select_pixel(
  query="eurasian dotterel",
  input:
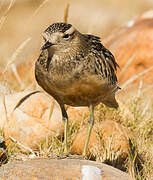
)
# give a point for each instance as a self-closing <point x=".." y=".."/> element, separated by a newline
<point x="77" y="70"/>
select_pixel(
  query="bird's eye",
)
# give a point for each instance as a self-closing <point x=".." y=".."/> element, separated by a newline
<point x="66" y="36"/>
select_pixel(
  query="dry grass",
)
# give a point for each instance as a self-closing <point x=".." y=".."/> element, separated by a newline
<point x="3" y="18"/>
<point x="140" y="161"/>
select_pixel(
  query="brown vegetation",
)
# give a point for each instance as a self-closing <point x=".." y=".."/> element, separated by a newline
<point x="21" y="25"/>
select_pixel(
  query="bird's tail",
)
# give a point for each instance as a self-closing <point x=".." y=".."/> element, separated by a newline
<point x="110" y="100"/>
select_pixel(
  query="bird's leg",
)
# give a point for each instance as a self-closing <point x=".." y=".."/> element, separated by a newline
<point x="51" y="109"/>
<point x="90" y="125"/>
<point x="65" y="120"/>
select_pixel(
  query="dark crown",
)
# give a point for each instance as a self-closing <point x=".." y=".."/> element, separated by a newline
<point x="58" y="27"/>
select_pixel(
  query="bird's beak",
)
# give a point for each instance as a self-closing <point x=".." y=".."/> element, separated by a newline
<point x="46" y="45"/>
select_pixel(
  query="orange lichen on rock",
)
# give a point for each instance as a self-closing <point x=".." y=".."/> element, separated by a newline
<point x="132" y="46"/>
<point x="29" y="123"/>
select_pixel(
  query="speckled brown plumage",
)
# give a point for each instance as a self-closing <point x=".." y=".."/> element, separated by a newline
<point x="76" y="69"/>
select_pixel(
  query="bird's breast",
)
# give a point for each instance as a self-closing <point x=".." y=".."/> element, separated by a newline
<point x="75" y="91"/>
<point x="72" y="82"/>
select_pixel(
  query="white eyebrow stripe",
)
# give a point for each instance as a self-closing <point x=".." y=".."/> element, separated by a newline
<point x="70" y="31"/>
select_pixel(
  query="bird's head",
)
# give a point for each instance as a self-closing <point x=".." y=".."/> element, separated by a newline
<point x="60" y="36"/>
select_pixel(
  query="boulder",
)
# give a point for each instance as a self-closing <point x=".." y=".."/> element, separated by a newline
<point x="29" y="123"/>
<point x="77" y="114"/>
<point x="109" y="142"/>
<point x="60" y="169"/>
<point x="132" y="47"/>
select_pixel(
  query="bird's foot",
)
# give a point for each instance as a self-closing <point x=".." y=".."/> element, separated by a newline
<point x="76" y="156"/>
<point x="68" y="156"/>
<point x="63" y="156"/>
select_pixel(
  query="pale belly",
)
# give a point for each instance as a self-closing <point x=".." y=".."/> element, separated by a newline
<point x="76" y="92"/>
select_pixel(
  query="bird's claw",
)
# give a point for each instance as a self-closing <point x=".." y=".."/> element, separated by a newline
<point x="69" y="156"/>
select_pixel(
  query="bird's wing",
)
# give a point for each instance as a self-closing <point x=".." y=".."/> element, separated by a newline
<point x="104" y="60"/>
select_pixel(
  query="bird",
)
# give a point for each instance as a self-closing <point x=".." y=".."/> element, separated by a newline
<point x="76" y="70"/>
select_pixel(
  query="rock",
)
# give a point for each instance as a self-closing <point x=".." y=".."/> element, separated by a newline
<point x="132" y="46"/>
<point x="109" y="142"/>
<point x="60" y="169"/>
<point x="135" y="102"/>
<point x="78" y="114"/>
<point x="29" y="123"/>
